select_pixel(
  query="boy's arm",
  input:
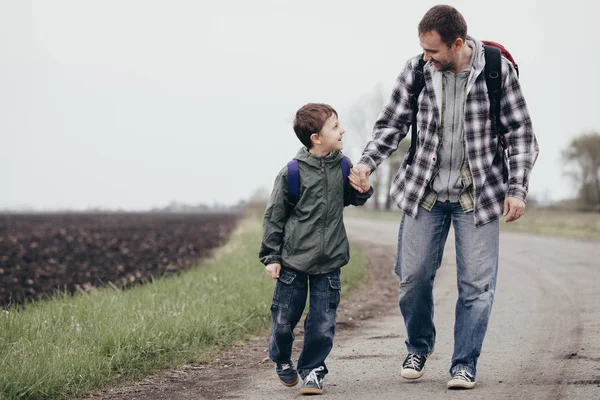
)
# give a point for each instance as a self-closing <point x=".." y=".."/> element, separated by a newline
<point x="353" y="196"/>
<point x="276" y="215"/>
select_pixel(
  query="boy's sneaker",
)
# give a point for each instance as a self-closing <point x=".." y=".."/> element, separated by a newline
<point x="413" y="366"/>
<point x="461" y="379"/>
<point x="287" y="374"/>
<point x="313" y="382"/>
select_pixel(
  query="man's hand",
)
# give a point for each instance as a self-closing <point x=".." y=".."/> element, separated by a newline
<point x="359" y="178"/>
<point x="513" y="209"/>
<point x="273" y="270"/>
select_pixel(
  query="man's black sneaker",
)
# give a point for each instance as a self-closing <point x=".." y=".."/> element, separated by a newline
<point x="461" y="379"/>
<point x="313" y="382"/>
<point x="413" y="366"/>
<point x="287" y="374"/>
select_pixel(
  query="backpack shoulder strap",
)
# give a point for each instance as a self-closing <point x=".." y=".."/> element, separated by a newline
<point x="493" y="70"/>
<point x="345" y="164"/>
<point x="293" y="179"/>
<point x="419" y="80"/>
<point x="493" y="81"/>
<point x="417" y="87"/>
<point x="293" y="182"/>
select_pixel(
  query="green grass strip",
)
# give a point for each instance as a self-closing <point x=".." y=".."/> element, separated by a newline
<point x="543" y="221"/>
<point x="73" y="345"/>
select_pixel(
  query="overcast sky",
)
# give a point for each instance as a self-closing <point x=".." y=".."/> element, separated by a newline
<point x="133" y="104"/>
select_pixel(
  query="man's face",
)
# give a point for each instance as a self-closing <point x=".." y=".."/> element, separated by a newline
<point x="442" y="56"/>
<point x="331" y="134"/>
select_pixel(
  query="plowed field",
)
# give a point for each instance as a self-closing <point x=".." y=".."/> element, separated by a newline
<point x="42" y="253"/>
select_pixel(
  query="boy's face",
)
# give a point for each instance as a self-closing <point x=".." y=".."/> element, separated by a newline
<point x="330" y="137"/>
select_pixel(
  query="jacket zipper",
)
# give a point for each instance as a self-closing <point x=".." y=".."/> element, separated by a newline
<point x="324" y="219"/>
<point x="453" y="129"/>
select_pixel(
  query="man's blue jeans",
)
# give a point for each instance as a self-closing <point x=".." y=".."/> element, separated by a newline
<point x="421" y="243"/>
<point x="289" y="300"/>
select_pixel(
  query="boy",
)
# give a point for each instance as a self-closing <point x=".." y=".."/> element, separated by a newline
<point x="305" y="245"/>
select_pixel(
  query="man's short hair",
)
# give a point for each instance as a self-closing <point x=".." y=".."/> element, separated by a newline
<point x="310" y="119"/>
<point x="447" y="21"/>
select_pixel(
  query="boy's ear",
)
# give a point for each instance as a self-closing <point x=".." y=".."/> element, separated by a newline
<point x="315" y="139"/>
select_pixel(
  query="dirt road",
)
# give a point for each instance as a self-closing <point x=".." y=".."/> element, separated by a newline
<point x="543" y="340"/>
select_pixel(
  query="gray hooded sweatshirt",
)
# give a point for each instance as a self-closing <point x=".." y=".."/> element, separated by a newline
<point x="447" y="183"/>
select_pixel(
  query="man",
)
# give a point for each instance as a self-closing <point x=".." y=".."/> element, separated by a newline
<point x="456" y="176"/>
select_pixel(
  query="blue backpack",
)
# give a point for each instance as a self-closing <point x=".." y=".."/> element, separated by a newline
<point x="294" y="179"/>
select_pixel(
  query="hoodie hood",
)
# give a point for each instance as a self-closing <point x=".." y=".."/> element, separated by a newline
<point x="306" y="156"/>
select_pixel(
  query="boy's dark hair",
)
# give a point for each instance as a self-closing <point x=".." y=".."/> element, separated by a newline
<point x="310" y="119"/>
<point x="447" y="21"/>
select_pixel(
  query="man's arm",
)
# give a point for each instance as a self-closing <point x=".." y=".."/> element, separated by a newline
<point x="393" y="122"/>
<point x="523" y="145"/>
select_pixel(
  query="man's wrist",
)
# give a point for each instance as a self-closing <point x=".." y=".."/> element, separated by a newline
<point x="367" y="162"/>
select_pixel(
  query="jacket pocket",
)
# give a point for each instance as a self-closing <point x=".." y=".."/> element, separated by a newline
<point x="284" y="288"/>
<point x="333" y="293"/>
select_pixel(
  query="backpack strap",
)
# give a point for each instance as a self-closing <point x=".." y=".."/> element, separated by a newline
<point x="493" y="68"/>
<point x="345" y="164"/>
<point x="505" y="53"/>
<point x="294" y="179"/>
<point x="293" y="182"/>
<point x="417" y="87"/>
<point x="493" y="80"/>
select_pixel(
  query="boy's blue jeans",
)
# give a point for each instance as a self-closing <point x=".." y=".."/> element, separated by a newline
<point x="289" y="300"/>
<point x="421" y="243"/>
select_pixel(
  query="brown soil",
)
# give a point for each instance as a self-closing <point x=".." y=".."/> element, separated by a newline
<point x="43" y="253"/>
<point x="232" y="367"/>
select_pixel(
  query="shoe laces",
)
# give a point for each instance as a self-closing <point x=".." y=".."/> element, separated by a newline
<point x="413" y="361"/>
<point x="285" y="367"/>
<point x="463" y="375"/>
<point x="314" y="377"/>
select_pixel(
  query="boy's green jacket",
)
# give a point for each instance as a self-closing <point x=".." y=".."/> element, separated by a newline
<point x="310" y="237"/>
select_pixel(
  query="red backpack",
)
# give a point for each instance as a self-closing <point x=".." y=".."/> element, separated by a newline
<point x="503" y="52"/>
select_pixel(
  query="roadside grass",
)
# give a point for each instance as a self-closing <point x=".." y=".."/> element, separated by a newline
<point x="557" y="222"/>
<point x="71" y="346"/>
<point x="543" y="221"/>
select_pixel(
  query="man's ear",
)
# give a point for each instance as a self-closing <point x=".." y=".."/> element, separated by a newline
<point x="458" y="43"/>
<point x="315" y="139"/>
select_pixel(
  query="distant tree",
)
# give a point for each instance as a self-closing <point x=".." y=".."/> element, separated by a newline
<point x="582" y="164"/>
<point x="258" y="200"/>
<point x="260" y="196"/>
<point x="361" y="119"/>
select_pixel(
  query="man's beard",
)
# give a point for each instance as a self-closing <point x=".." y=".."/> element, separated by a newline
<point x="448" y="66"/>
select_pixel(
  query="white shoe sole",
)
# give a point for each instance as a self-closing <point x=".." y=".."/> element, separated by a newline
<point x="409" y="373"/>
<point x="460" y="384"/>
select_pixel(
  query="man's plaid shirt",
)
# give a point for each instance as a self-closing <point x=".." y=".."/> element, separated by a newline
<point x="483" y="154"/>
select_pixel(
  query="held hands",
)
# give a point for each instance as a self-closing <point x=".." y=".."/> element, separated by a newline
<point x="359" y="178"/>
<point x="273" y="270"/>
<point x="513" y="209"/>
